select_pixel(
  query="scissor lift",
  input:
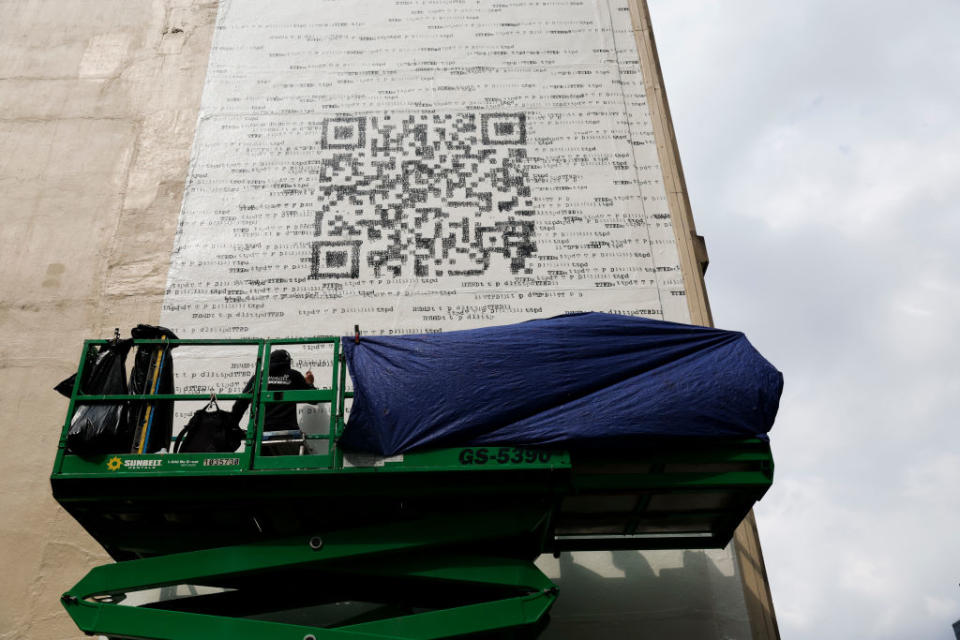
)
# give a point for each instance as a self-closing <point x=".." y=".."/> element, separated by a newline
<point x="430" y="544"/>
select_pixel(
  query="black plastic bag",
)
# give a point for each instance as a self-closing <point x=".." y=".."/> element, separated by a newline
<point x="101" y="428"/>
<point x="210" y="430"/>
<point x="152" y="372"/>
<point x="65" y="387"/>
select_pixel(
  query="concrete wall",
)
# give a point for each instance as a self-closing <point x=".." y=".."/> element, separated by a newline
<point x="98" y="104"/>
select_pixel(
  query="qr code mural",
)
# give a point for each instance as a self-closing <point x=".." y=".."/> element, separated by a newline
<point x="423" y="195"/>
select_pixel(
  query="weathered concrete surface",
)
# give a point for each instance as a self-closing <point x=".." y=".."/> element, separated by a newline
<point x="98" y="104"/>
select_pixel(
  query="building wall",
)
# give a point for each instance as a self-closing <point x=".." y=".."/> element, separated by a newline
<point x="98" y="106"/>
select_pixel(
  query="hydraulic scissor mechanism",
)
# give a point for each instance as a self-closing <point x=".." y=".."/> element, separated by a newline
<point x="433" y="578"/>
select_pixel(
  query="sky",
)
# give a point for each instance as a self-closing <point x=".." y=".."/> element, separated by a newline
<point x="821" y="147"/>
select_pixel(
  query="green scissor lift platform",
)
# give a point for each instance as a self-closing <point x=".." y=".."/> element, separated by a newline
<point x="430" y="544"/>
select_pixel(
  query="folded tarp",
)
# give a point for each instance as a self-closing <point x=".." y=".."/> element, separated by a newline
<point x="580" y="379"/>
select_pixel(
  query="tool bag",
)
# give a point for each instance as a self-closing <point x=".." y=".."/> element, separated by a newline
<point x="210" y="430"/>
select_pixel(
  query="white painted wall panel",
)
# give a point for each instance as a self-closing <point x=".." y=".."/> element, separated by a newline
<point x="495" y="162"/>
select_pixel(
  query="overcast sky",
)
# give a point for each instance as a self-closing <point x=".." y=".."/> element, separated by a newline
<point x="821" y="146"/>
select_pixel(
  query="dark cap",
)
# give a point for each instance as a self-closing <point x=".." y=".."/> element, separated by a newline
<point x="280" y="357"/>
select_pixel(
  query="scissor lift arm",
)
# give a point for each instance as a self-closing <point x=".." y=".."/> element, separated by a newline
<point x="433" y="563"/>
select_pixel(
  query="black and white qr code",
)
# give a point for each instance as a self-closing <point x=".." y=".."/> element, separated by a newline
<point x="423" y="195"/>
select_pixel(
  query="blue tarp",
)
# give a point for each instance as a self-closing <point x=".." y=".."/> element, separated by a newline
<point x="585" y="379"/>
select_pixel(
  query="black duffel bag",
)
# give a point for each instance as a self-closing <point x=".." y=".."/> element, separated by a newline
<point x="210" y="430"/>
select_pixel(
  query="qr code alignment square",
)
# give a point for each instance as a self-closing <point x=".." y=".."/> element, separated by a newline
<point x="423" y="195"/>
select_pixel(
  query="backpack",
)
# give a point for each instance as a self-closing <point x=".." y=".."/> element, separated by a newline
<point x="210" y="430"/>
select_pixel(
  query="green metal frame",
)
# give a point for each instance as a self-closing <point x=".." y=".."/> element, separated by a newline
<point x="408" y="553"/>
<point x="462" y="518"/>
<point x="65" y="463"/>
<point x="336" y="397"/>
<point x="252" y="458"/>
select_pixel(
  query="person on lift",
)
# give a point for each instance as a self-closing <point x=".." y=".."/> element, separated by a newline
<point x="281" y="416"/>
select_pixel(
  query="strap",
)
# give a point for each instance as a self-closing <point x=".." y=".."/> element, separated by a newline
<point x="180" y="437"/>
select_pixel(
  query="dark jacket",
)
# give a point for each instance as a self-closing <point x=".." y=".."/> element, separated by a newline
<point x="280" y="416"/>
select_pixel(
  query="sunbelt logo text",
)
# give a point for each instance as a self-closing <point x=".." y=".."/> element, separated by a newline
<point x="141" y="464"/>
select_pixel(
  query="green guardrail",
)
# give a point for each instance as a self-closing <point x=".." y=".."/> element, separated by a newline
<point x="252" y="455"/>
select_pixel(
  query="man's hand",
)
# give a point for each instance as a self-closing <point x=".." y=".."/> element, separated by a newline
<point x="308" y="376"/>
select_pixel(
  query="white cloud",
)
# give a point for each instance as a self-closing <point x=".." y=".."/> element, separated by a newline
<point x="940" y="607"/>
<point x="866" y="188"/>
<point x="822" y="153"/>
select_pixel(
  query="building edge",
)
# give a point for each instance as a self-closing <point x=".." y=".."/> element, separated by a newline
<point x="693" y="261"/>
